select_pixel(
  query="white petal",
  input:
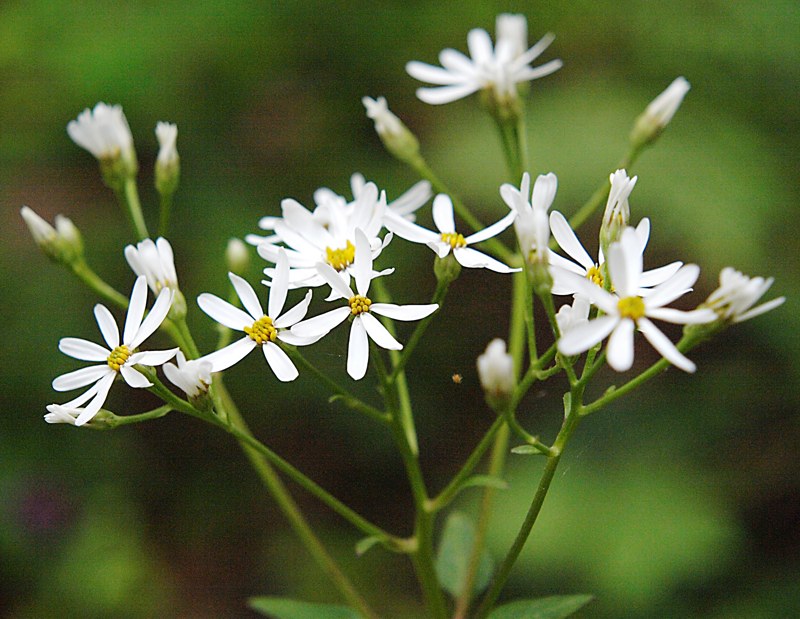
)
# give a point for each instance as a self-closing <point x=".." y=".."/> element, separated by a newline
<point x="666" y="348"/>
<point x="134" y="378"/>
<point x="280" y="286"/>
<point x="154" y="318"/>
<point x="379" y="334"/>
<point x="103" y="387"/>
<point x="566" y="239"/>
<point x="443" y="214"/>
<point x="403" y="312"/>
<point x="84" y="350"/>
<point x="431" y="74"/>
<point x="493" y="230"/>
<point x="279" y="362"/>
<point x="322" y="324"/>
<point x="407" y="230"/>
<point x="297" y="340"/>
<point x="152" y="357"/>
<point x="363" y="263"/>
<point x="679" y="317"/>
<point x="247" y="296"/>
<point x="674" y="287"/>
<point x="81" y="378"/>
<point x="135" y="309"/>
<point x="224" y="358"/>
<point x="357" y="350"/>
<point x="584" y="336"/>
<point x="334" y="280"/>
<point x="654" y="277"/>
<point x="107" y="324"/>
<point x="223" y="312"/>
<point x="619" y="350"/>
<point x="473" y="259"/>
<point x="479" y="44"/>
<point x="544" y="191"/>
<point x="296" y="314"/>
<point x="601" y="298"/>
<point x="756" y="311"/>
<point x="456" y="64"/>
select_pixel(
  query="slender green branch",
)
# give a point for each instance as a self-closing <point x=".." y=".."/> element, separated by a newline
<point x="128" y="197"/>
<point x="124" y="420"/>
<point x="84" y="273"/>
<point x="164" y="213"/>
<point x="530" y="323"/>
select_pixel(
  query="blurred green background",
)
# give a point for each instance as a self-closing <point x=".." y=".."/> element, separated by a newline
<point x="683" y="500"/>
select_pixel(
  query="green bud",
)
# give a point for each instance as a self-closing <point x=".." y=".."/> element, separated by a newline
<point x="396" y="137"/>
<point x="62" y="244"/>
<point x="446" y="269"/>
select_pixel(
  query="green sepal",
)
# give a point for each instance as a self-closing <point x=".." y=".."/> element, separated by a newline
<point x="551" y="607"/>
<point x="284" y="608"/>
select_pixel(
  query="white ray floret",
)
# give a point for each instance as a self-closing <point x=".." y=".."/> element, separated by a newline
<point x="103" y="131"/>
<point x="155" y="261"/>
<point x="625" y="311"/>
<point x="531" y="225"/>
<point x="193" y="377"/>
<point x="447" y="240"/>
<point x="118" y="359"/>
<point x="738" y="293"/>
<point x="260" y="329"/>
<point x="361" y="307"/>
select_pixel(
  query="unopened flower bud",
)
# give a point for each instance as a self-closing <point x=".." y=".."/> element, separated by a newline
<point x="237" y="257"/>
<point x="733" y="301"/>
<point x="396" y="137"/>
<point x="168" y="162"/>
<point x="446" y="269"/>
<point x="659" y="113"/>
<point x="618" y="213"/>
<point x="62" y="244"/>
<point x="496" y="373"/>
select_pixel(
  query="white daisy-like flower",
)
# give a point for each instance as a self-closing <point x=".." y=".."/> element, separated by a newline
<point x="531" y="226"/>
<point x="118" y="359"/>
<point x="738" y="293"/>
<point x="404" y="205"/>
<point x="192" y="377"/>
<point x="447" y="240"/>
<point x="584" y="266"/>
<point x="167" y="135"/>
<point x="626" y="310"/>
<point x="326" y="235"/>
<point x="104" y="132"/>
<point x="496" y="369"/>
<point x="570" y="316"/>
<point x="260" y="329"/>
<point x="154" y="260"/>
<point x="499" y="68"/>
<point x="617" y="214"/>
<point x="361" y="308"/>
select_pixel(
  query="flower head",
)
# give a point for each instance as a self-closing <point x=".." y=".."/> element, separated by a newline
<point x="396" y="137"/>
<point x="62" y="243"/>
<point x="104" y="132"/>
<point x="659" y="112"/>
<point x="167" y="135"/>
<point x="155" y="261"/>
<point x="618" y="211"/>
<point x="626" y="310"/>
<point x="496" y="70"/>
<point x="192" y="377"/>
<point x="361" y="308"/>
<point x="496" y="370"/>
<point x="260" y="329"/>
<point x="733" y="301"/>
<point x="531" y="225"/>
<point x="447" y="240"/>
<point x="118" y="359"/>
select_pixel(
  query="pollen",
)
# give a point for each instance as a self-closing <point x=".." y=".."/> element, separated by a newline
<point x="342" y="258"/>
<point x="454" y="239"/>
<point x="359" y="305"/>
<point x="595" y="275"/>
<point x="631" y="307"/>
<point x="118" y="357"/>
<point x="262" y="331"/>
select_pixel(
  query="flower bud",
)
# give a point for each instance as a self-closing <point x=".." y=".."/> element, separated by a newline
<point x="618" y="213"/>
<point x="659" y="113"/>
<point x="446" y="269"/>
<point x="62" y="244"/>
<point x="396" y="137"/>
<point x="496" y="373"/>
<point x="237" y="257"/>
<point x="168" y="162"/>
<point x="733" y="301"/>
<point x="192" y="377"/>
<point x="155" y="261"/>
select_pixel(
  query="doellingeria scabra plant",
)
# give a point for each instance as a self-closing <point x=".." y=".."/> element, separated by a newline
<point x="338" y="254"/>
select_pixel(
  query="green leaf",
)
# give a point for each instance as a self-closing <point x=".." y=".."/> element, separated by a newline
<point x="552" y="607"/>
<point x="284" y="608"/>
<point x="452" y="558"/>
<point x="527" y="450"/>
<point x="366" y="543"/>
<point x="486" y="481"/>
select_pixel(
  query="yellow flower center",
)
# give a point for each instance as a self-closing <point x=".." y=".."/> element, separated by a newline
<point x="595" y="275"/>
<point x="340" y="259"/>
<point x="118" y="357"/>
<point x="359" y="305"/>
<point x="631" y="307"/>
<point x="262" y="331"/>
<point x="454" y="239"/>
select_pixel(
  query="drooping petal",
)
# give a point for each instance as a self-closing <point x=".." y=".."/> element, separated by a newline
<point x="584" y="336"/>
<point x="357" y="350"/>
<point x="322" y="324"/>
<point x="678" y="317"/>
<point x="223" y="312"/>
<point x="403" y="312"/>
<point x="135" y="309"/>
<point x="80" y="378"/>
<point x="379" y="334"/>
<point x="107" y="324"/>
<point x="134" y="378"/>
<point x="280" y="363"/>
<point x="247" y="296"/>
<point x="665" y="348"/>
<point x="224" y="358"/>
<point x="619" y="350"/>
<point x="473" y="259"/>
<point x="408" y="230"/>
<point x="443" y="214"/>
<point x="84" y="350"/>
<point x="433" y="75"/>
<point x="566" y="239"/>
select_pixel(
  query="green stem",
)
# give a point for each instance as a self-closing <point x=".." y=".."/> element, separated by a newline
<point x="128" y="197"/>
<point x="164" y="213"/>
<point x="84" y="273"/>
<point x="124" y="420"/>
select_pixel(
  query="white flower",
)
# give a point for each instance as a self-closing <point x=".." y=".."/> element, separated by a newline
<point x="499" y="69"/>
<point x="386" y="123"/>
<point x="192" y="377"/>
<point x="236" y="256"/>
<point x="406" y="204"/>
<point x="361" y="307"/>
<point x="61" y="414"/>
<point x="326" y="235"/>
<point x="618" y="212"/>
<point x="447" y="239"/>
<point x="260" y="329"/>
<point x="167" y="135"/>
<point x="496" y="369"/>
<point x="625" y="311"/>
<point x="104" y="132"/>
<point x="663" y="107"/>
<point x="570" y="316"/>
<point x="118" y="359"/>
<point x="588" y="268"/>
<point x="736" y="295"/>
<point x="155" y="261"/>
<point x="531" y="226"/>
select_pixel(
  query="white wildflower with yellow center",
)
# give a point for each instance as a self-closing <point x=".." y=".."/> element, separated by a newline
<point x="447" y="240"/>
<point x="361" y="308"/>
<point x="118" y="359"/>
<point x="530" y="209"/>
<point x="626" y="310"/>
<point x="155" y="261"/>
<point x="260" y="329"/>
